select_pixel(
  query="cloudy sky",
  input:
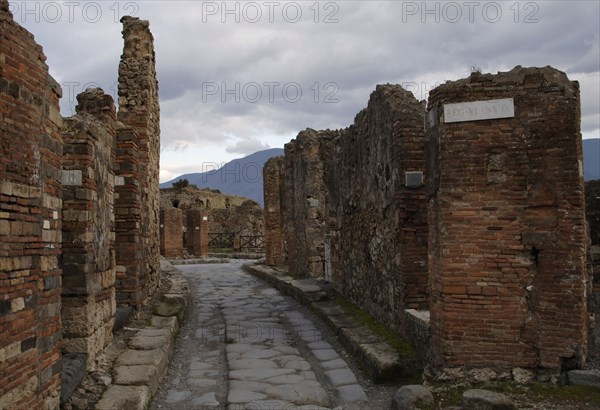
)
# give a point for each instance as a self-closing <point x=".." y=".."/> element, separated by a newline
<point x="238" y="77"/>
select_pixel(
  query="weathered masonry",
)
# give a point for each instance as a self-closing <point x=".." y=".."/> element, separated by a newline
<point x="304" y="214"/>
<point x="491" y="242"/>
<point x="592" y="203"/>
<point x="197" y="232"/>
<point x="507" y="238"/>
<point x="138" y="260"/>
<point x="30" y="223"/>
<point x="72" y="192"/>
<point x="274" y="243"/>
<point x="353" y="207"/>
<point x="88" y="282"/>
<point x="171" y="233"/>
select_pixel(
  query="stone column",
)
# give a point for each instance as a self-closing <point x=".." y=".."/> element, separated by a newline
<point x="171" y="233"/>
<point x="274" y="243"/>
<point x="197" y="232"/>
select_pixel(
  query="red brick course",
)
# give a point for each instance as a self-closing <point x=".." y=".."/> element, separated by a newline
<point x="30" y="224"/>
<point x="171" y="233"/>
<point x="507" y="238"/>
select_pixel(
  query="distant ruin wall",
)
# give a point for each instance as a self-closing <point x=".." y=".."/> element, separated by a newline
<point x="30" y="222"/>
<point x="197" y="232"/>
<point x="592" y="203"/>
<point x="307" y="160"/>
<point x="88" y="294"/>
<point x="378" y="215"/>
<point x="171" y="233"/>
<point x="507" y="238"/>
<point x="274" y="243"/>
<point x="139" y="110"/>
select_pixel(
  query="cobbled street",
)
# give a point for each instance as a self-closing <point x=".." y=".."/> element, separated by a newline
<point x="246" y="346"/>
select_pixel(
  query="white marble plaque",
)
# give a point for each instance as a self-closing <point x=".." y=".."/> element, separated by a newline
<point x="72" y="177"/>
<point x="479" y="110"/>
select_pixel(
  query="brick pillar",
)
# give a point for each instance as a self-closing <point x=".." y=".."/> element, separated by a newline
<point x="197" y="232"/>
<point x="130" y="272"/>
<point x="139" y="110"/>
<point x="507" y="243"/>
<point x="274" y="244"/>
<point x="30" y="222"/>
<point x="171" y="233"/>
<point x="88" y="303"/>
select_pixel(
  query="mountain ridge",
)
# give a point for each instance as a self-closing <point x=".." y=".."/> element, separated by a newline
<point x="243" y="176"/>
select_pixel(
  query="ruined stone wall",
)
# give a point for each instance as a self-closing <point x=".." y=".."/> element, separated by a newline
<point x="30" y="222"/>
<point x="274" y="244"/>
<point x="197" y="232"/>
<point x="139" y="110"/>
<point x="171" y="233"/>
<point x="378" y="223"/>
<point x="307" y="165"/>
<point x="245" y="219"/>
<point x="88" y="263"/>
<point x="592" y="203"/>
<point x="507" y="238"/>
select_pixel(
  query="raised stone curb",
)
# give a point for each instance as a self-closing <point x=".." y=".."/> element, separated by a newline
<point x="138" y="371"/>
<point x="381" y="361"/>
<point x="584" y="378"/>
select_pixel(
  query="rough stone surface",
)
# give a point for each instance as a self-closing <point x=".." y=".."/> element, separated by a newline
<point x="274" y="240"/>
<point x="507" y="244"/>
<point x="305" y="209"/>
<point x="171" y="233"/>
<point x="412" y="397"/>
<point x="138" y="244"/>
<point x="30" y="222"/>
<point x="479" y="399"/>
<point x="349" y="215"/>
<point x="197" y="232"/>
<point x="584" y="377"/>
<point x="125" y="397"/>
<point x="88" y="230"/>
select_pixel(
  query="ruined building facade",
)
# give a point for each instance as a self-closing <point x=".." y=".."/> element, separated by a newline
<point x="74" y="193"/>
<point x="348" y="212"/>
<point x="471" y="211"/>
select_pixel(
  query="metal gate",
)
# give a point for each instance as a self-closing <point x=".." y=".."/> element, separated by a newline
<point x="252" y="243"/>
<point x="220" y="240"/>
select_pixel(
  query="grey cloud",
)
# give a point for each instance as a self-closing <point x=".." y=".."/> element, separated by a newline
<point x="247" y="146"/>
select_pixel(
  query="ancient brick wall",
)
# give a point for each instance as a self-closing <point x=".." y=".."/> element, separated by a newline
<point x="131" y="274"/>
<point x="378" y="223"/>
<point x="88" y="293"/>
<point x="507" y="242"/>
<point x="171" y="233"/>
<point x="139" y="110"/>
<point x="30" y="224"/>
<point x="197" y="232"/>
<point x="274" y="243"/>
<point x="307" y="164"/>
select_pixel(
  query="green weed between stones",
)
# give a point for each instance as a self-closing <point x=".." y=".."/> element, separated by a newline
<point x="392" y="338"/>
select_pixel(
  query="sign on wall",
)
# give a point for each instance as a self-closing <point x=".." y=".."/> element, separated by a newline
<point x="479" y="110"/>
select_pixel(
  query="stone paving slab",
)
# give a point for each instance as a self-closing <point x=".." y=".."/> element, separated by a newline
<point x="140" y="368"/>
<point x="125" y="397"/>
<point x="382" y="361"/>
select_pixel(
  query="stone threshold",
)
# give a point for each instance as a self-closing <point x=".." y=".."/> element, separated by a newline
<point x="380" y="360"/>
